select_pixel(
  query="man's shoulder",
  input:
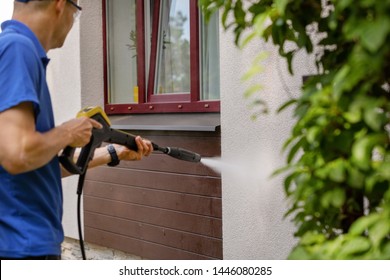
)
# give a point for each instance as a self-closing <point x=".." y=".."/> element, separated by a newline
<point x="14" y="45"/>
<point x="14" y="39"/>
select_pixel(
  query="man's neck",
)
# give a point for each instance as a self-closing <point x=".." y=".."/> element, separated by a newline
<point x="40" y="27"/>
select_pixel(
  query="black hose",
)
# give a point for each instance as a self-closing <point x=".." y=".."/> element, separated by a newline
<point x="80" y="186"/>
<point x="175" y="152"/>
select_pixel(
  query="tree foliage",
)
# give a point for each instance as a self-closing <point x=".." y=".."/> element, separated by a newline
<point x="338" y="157"/>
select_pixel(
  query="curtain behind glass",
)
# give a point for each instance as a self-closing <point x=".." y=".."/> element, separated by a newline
<point x="122" y="54"/>
<point x="210" y="58"/>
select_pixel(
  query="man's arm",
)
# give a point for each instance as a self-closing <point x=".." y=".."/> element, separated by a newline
<point x="23" y="149"/>
<point x="102" y="156"/>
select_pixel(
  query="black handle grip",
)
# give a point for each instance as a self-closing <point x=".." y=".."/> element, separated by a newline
<point x="122" y="138"/>
<point x="66" y="159"/>
<point x="86" y="154"/>
<point x="105" y="134"/>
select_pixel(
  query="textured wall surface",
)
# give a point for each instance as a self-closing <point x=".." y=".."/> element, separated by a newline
<point x="64" y="81"/>
<point x="91" y="42"/>
<point x="254" y="203"/>
<point x="75" y="77"/>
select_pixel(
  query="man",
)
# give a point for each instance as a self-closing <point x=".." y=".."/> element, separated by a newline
<point x="30" y="173"/>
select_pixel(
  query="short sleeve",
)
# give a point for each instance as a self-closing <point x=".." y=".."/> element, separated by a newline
<point x="20" y="72"/>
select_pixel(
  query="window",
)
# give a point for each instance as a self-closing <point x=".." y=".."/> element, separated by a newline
<point x="160" y="56"/>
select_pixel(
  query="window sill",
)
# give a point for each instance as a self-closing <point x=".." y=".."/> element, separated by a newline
<point x="171" y="122"/>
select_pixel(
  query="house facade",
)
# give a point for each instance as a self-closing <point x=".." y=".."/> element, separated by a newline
<point x="162" y="208"/>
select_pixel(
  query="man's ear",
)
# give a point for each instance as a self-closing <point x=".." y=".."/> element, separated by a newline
<point x="60" y="6"/>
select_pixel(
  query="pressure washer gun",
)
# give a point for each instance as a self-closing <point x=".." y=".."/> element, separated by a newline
<point x="110" y="135"/>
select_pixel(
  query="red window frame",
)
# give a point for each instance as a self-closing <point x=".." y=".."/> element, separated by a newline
<point x="167" y="103"/>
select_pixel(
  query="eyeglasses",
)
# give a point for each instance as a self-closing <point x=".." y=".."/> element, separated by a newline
<point x="75" y="5"/>
<point x="77" y="14"/>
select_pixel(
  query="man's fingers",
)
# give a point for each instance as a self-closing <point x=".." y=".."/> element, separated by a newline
<point x="96" y="124"/>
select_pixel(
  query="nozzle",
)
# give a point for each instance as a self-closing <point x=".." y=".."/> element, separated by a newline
<point x="183" y="154"/>
<point x="179" y="153"/>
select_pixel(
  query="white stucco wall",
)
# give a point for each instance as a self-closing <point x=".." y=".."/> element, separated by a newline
<point x="6" y="10"/>
<point x="75" y="78"/>
<point x="91" y="37"/>
<point x="254" y="203"/>
<point x="64" y="81"/>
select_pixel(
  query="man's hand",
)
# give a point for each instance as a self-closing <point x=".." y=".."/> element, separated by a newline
<point x="80" y="130"/>
<point x="102" y="157"/>
<point x="144" y="146"/>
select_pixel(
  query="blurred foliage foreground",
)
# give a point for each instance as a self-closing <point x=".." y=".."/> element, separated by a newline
<point x="338" y="163"/>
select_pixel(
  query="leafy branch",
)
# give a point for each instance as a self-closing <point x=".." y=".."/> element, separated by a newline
<point x="337" y="173"/>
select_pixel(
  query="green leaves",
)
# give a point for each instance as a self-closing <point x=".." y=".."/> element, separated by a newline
<point x="362" y="150"/>
<point x="376" y="228"/>
<point x="281" y="6"/>
<point x="337" y="173"/>
<point x="259" y="28"/>
<point x="253" y="72"/>
<point x="335" y="198"/>
<point x="353" y="247"/>
<point x="371" y="32"/>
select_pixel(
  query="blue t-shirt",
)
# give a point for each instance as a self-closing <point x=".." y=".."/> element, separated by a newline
<point x="30" y="203"/>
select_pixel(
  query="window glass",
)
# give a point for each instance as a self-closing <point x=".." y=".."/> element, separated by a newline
<point x="122" y="54"/>
<point x="173" y="48"/>
<point x="209" y="58"/>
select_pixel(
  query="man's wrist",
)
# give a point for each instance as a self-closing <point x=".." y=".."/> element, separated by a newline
<point x="114" y="156"/>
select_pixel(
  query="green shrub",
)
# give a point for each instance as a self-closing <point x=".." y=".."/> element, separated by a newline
<point x="338" y="162"/>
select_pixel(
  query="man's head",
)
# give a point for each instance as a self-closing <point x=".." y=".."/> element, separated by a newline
<point x="50" y="20"/>
<point x="72" y="2"/>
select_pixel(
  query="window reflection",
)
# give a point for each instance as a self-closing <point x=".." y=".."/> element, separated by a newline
<point x="173" y="48"/>
<point x="121" y="45"/>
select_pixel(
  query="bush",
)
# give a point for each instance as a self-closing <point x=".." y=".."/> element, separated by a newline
<point x="338" y="163"/>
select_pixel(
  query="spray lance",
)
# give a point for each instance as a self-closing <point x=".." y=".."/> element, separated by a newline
<point x="108" y="135"/>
